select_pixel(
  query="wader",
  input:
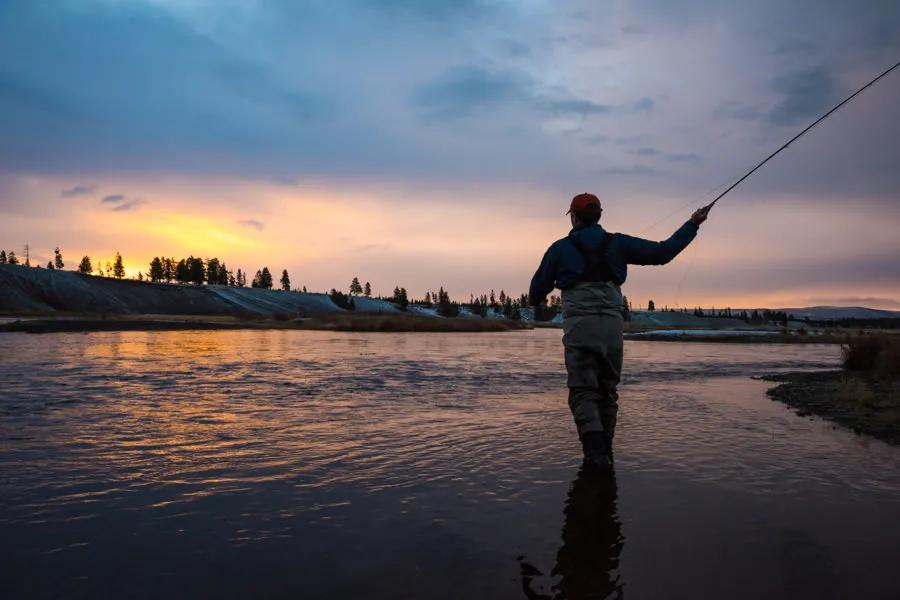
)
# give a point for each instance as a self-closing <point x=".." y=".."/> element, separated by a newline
<point x="592" y="322"/>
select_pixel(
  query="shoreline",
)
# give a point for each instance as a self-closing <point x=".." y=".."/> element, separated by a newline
<point x="342" y="322"/>
<point x="857" y="402"/>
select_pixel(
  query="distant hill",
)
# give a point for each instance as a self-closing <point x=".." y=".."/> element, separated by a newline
<point x="25" y="290"/>
<point x="836" y="313"/>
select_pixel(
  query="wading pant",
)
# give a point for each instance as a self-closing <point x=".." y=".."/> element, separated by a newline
<point x="592" y="322"/>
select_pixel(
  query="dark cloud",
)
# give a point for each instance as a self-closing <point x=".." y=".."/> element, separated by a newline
<point x="128" y="206"/>
<point x="113" y="198"/>
<point x="806" y="95"/>
<point x="78" y="190"/>
<point x="252" y="223"/>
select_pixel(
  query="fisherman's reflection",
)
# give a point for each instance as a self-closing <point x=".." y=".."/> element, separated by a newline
<point x="587" y="563"/>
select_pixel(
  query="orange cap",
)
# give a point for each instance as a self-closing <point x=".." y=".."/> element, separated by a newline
<point x="584" y="203"/>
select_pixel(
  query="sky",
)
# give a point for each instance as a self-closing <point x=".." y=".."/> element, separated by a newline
<point x="437" y="143"/>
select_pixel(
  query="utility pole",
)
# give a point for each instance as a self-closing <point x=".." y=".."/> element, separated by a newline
<point x="27" y="255"/>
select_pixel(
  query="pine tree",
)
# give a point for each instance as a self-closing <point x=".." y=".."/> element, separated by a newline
<point x="304" y="289"/>
<point x="50" y="265"/>
<point x="240" y="279"/>
<point x="367" y="290"/>
<point x="355" y="287"/>
<point x="156" y="272"/>
<point x="99" y="268"/>
<point x="58" y="259"/>
<point x="257" y="280"/>
<point x="140" y="276"/>
<point x="119" y="268"/>
<point x="651" y="306"/>
<point x="212" y="270"/>
<point x="85" y="267"/>
<point x="285" y="281"/>
<point x="2" y="257"/>
<point x="12" y="259"/>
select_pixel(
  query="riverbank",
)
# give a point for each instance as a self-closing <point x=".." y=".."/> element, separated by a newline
<point x="341" y="322"/>
<point x="856" y="401"/>
<point x="726" y="336"/>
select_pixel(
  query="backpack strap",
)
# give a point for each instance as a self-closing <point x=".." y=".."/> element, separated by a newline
<point x="595" y="266"/>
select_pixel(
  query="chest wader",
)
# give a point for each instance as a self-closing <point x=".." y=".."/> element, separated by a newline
<point x="592" y="325"/>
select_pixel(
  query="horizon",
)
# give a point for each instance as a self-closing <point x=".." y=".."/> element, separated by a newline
<point x="442" y="147"/>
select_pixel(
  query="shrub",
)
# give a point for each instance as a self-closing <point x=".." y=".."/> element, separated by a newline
<point x="877" y="354"/>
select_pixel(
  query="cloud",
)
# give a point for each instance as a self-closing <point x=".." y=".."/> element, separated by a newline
<point x="113" y="198"/>
<point x="806" y="94"/>
<point x="574" y="106"/>
<point x="463" y="90"/>
<point x="131" y="205"/>
<point x="686" y="158"/>
<point x="257" y="225"/>
<point x="631" y="170"/>
<point x="647" y="151"/>
<point x="644" y="104"/>
<point x="78" y="190"/>
<point x="737" y="110"/>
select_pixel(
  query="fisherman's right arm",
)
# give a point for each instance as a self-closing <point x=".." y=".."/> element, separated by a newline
<point x="544" y="279"/>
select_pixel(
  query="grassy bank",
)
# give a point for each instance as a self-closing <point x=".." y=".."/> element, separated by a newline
<point x="864" y="396"/>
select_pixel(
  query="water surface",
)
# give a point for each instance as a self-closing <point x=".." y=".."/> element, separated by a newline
<point x="326" y="465"/>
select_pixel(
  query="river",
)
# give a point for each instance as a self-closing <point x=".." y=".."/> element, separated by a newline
<point x="311" y="464"/>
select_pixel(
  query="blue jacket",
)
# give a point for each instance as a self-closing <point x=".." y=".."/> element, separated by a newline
<point x="563" y="265"/>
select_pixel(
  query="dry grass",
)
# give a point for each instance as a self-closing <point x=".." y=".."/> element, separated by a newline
<point x="878" y="355"/>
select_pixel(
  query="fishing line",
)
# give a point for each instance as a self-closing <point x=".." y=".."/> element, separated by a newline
<point x="783" y="147"/>
<point x="764" y="161"/>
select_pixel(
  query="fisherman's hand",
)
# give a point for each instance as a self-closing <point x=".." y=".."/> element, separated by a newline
<point x="700" y="214"/>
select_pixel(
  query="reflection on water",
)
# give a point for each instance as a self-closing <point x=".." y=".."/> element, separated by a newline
<point x="324" y="465"/>
<point x="588" y="560"/>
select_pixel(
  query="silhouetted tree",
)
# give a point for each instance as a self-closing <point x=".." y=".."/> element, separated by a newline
<point x="263" y="279"/>
<point x="626" y="309"/>
<point x="182" y="274"/>
<point x="11" y="258"/>
<point x="58" y="259"/>
<point x="367" y="290"/>
<point x="341" y="299"/>
<point x="445" y="307"/>
<point x="156" y="272"/>
<point x="427" y="299"/>
<point x="2" y="257"/>
<point x="651" y="306"/>
<point x="85" y="267"/>
<point x="119" y="267"/>
<point x="355" y="287"/>
<point x="212" y="270"/>
<point x="50" y="265"/>
<point x="285" y="281"/>
<point x="168" y="266"/>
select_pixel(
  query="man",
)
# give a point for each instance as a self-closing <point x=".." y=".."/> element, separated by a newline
<point x="589" y="266"/>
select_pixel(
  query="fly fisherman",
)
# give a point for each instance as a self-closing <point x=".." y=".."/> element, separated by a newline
<point x="588" y="266"/>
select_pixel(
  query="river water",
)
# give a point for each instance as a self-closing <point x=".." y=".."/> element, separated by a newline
<point x="341" y="465"/>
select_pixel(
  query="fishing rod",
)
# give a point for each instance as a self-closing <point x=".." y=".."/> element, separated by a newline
<point x="796" y="137"/>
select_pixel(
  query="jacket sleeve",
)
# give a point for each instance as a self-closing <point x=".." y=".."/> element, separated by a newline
<point x="639" y="251"/>
<point x="544" y="279"/>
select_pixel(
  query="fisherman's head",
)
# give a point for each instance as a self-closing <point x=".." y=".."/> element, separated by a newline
<point x="584" y="210"/>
